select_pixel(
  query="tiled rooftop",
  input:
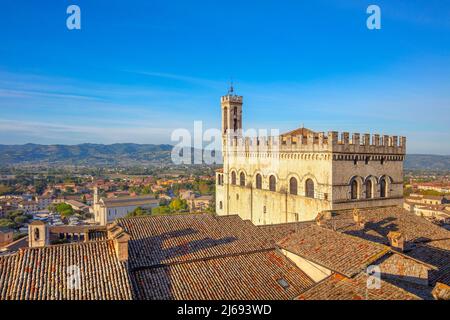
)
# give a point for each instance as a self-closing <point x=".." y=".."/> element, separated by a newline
<point x="157" y="240"/>
<point x="338" y="287"/>
<point x="245" y="276"/>
<point x="427" y="242"/>
<point x="380" y="221"/>
<point x="42" y="273"/>
<point x="333" y="250"/>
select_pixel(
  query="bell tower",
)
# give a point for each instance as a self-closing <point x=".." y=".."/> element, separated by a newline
<point x="231" y="113"/>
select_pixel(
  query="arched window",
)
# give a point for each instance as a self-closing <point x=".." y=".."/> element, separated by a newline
<point x="235" y="119"/>
<point x="293" y="186"/>
<point x="242" y="179"/>
<point x="220" y="205"/>
<point x="368" y="189"/>
<point x="383" y="187"/>
<point x="354" y="189"/>
<point x="233" y="178"/>
<point x="36" y="234"/>
<point x="272" y="183"/>
<point x="258" y="181"/>
<point x="309" y="188"/>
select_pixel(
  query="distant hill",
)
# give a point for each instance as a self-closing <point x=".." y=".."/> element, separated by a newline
<point x="427" y="161"/>
<point x="85" y="154"/>
<point x="128" y="154"/>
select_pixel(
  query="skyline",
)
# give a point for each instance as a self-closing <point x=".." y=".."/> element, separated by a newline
<point x="161" y="66"/>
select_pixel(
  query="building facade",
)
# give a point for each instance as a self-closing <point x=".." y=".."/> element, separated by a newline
<point x="109" y="209"/>
<point x="294" y="176"/>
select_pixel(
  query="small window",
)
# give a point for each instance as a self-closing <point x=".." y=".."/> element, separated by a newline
<point x="354" y="189"/>
<point x="36" y="234"/>
<point x="383" y="187"/>
<point x="309" y="187"/>
<point x="242" y="179"/>
<point x="233" y="178"/>
<point x="367" y="160"/>
<point x="272" y="183"/>
<point x="237" y="196"/>
<point x="368" y="189"/>
<point x="220" y="205"/>
<point x="258" y="181"/>
<point x="283" y="283"/>
<point x="264" y="209"/>
<point x="293" y="186"/>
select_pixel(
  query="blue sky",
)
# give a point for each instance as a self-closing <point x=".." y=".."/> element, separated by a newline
<point x="137" y="70"/>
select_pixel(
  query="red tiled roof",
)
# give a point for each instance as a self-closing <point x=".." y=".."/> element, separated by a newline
<point x="42" y="273"/>
<point x="338" y="287"/>
<point x="333" y="250"/>
<point x="157" y="240"/>
<point x="246" y="276"/>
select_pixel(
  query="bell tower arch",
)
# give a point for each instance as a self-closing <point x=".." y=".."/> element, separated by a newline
<point x="231" y="113"/>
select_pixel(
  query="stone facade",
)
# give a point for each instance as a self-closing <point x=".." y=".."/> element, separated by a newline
<point x="294" y="176"/>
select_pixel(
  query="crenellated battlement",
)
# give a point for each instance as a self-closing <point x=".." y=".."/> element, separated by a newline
<point x="231" y="98"/>
<point x="333" y="141"/>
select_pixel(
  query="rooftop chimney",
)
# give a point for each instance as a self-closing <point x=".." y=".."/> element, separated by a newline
<point x="121" y="246"/>
<point x="441" y="291"/>
<point x="396" y="240"/>
<point x="120" y="239"/>
<point x="358" y="218"/>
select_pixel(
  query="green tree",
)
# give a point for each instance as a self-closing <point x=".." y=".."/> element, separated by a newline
<point x="21" y="219"/>
<point x="7" y="223"/>
<point x="161" y="210"/>
<point x="137" y="212"/>
<point x="64" y="210"/>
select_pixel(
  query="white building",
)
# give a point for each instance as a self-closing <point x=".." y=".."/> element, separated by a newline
<point x="108" y="209"/>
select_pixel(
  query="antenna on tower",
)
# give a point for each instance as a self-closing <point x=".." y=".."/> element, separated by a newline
<point x="231" y="90"/>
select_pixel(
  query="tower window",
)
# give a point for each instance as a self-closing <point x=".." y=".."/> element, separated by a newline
<point x="293" y="186"/>
<point x="309" y="187"/>
<point x="383" y="187"/>
<point x="220" y="205"/>
<point x="272" y="183"/>
<point x="36" y="234"/>
<point x="258" y="181"/>
<point x="233" y="178"/>
<point x="369" y="189"/>
<point x="242" y="179"/>
<point x="354" y="189"/>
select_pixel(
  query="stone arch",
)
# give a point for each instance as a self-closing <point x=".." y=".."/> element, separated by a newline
<point x="242" y="178"/>
<point x="355" y="184"/>
<point x="233" y="177"/>
<point x="273" y="182"/>
<point x="293" y="185"/>
<point x="385" y="183"/>
<point x="258" y="180"/>
<point x="309" y="188"/>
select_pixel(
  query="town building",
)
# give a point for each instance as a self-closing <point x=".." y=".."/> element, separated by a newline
<point x="293" y="176"/>
<point x="106" y="210"/>
<point x="6" y="236"/>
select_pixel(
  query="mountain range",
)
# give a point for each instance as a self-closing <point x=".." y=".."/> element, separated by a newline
<point x="129" y="154"/>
